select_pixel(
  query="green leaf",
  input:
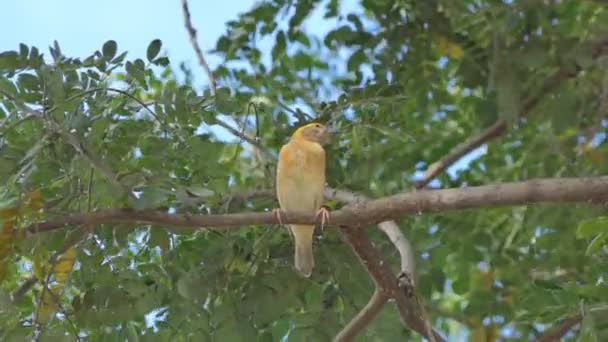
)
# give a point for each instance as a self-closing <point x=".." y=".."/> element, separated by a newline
<point x="200" y="192"/>
<point x="588" y="228"/>
<point x="279" y="47"/>
<point x="355" y="60"/>
<point x="109" y="49"/>
<point x="150" y="198"/>
<point x="29" y="81"/>
<point x="120" y="58"/>
<point x="597" y="243"/>
<point x="507" y="88"/>
<point x="9" y="60"/>
<point x="153" y="49"/>
<point x="161" y="61"/>
<point x="8" y="87"/>
<point x="225" y="103"/>
<point x="23" y="51"/>
<point x="588" y="329"/>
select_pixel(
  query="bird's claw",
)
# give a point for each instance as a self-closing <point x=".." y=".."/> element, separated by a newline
<point x="277" y="213"/>
<point x="323" y="212"/>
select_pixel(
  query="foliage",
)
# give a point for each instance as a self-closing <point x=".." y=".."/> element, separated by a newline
<point x="405" y="81"/>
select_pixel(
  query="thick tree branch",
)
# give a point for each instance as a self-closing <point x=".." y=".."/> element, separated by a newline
<point x="599" y="48"/>
<point x="557" y="190"/>
<point x="384" y="280"/>
<point x="364" y="317"/>
<point x="197" y="49"/>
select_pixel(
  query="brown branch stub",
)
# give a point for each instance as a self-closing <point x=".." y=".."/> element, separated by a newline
<point x="22" y="290"/>
<point x="197" y="49"/>
<point x="559" y="190"/>
<point x="384" y="280"/>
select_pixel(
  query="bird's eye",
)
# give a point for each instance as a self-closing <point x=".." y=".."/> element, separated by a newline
<point x="318" y="126"/>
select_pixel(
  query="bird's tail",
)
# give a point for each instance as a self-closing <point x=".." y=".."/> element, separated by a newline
<point x="303" y="258"/>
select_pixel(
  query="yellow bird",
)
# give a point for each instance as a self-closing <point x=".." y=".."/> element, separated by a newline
<point x="300" y="185"/>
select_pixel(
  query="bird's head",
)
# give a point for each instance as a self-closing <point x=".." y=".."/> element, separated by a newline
<point x="314" y="132"/>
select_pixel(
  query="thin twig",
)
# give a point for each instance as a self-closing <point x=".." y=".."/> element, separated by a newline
<point x="244" y="137"/>
<point x="197" y="49"/>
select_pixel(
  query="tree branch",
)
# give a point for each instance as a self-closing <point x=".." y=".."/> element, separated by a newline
<point x="23" y="289"/>
<point x="558" y="190"/>
<point x="384" y="280"/>
<point x="599" y="48"/>
<point x="245" y="137"/>
<point x="364" y="317"/>
<point x="390" y="228"/>
<point x="557" y="332"/>
<point x="197" y="49"/>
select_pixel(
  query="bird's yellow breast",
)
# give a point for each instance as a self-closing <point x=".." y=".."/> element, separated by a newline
<point x="301" y="176"/>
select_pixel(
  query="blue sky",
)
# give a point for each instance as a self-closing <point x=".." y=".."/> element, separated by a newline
<point x="81" y="27"/>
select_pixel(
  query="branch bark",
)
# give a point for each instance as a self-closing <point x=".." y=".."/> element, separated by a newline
<point x="593" y="190"/>
<point x="364" y="317"/>
<point x="599" y="48"/>
<point x="386" y="283"/>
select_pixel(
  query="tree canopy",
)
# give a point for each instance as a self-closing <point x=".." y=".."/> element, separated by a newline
<point x="136" y="206"/>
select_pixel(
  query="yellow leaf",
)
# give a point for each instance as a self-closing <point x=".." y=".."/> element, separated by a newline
<point x="8" y="235"/>
<point x="483" y="334"/>
<point x="48" y="304"/>
<point x="61" y="271"/>
<point x="596" y="157"/>
<point x="456" y="52"/>
<point x="8" y="213"/>
<point x="38" y="266"/>
<point x="447" y="47"/>
<point x="64" y="266"/>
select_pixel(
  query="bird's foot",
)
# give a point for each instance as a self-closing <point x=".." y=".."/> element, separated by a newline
<point x="277" y="213"/>
<point x="323" y="212"/>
